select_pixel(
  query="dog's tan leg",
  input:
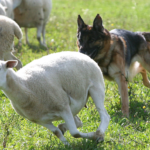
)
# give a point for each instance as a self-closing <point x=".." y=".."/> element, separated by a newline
<point x="136" y="68"/>
<point x="145" y="78"/>
<point x="144" y="56"/>
<point x="144" y="60"/>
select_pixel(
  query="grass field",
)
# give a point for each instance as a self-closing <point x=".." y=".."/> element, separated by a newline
<point x="17" y="133"/>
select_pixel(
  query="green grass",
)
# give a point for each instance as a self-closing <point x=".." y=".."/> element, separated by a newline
<point x="17" y="133"/>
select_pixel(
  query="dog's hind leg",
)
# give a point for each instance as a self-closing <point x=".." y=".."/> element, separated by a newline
<point x="143" y="56"/>
<point x="146" y="81"/>
<point x="136" y="68"/>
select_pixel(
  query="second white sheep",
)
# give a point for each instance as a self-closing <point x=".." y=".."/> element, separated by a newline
<point x="33" y="13"/>
<point x="8" y="30"/>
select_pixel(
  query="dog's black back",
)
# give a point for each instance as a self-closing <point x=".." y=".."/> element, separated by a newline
<point x="114" y="52"/>
<point x="133" y="42"/>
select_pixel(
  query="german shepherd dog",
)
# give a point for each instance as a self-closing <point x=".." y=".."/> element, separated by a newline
<point x="120" y="54"/>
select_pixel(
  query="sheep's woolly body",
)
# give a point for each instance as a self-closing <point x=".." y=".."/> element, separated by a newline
<point x="51" y="82"/>
<point x="8" y="4"/>
<point x="56" y="87"/>
<point x="2" y="10"/>
<point x="33" y="13"/>
<point x="8" y="29"/>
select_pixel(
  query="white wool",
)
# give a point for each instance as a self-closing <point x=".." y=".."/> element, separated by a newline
<point x="2" y="10"/>
<point x="56" y="87"/>
<point x="8" y="30"/>
<point x="8" y="5"/>
<point x="33" y="14"/>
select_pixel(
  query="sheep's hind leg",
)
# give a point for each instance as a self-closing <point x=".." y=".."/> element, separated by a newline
<point x="43" y="34"/>
<point x="98" y="94"/>
<point x="63" y="126"/>
<point x="39" y="31"/>
<point x="70" y="123"/>
<point x="26" y="34"/>
<point x="56" y="131"/>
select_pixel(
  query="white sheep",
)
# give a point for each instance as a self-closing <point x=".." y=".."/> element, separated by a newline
<point x="33" y="13"/>
<point x="2" y="10"/>
<point x="8" y="29"/>
<point x="8" y="6"/>
<point x="56" y="87"/>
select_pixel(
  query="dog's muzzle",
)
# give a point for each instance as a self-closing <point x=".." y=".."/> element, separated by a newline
<point x="90" y="52"/>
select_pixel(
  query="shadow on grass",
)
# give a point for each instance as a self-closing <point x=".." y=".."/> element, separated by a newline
<point x="35" y="48"/>
<point x="83" y="145"/>
<point x="139" y="115"/>
<point x="137" y="109"/>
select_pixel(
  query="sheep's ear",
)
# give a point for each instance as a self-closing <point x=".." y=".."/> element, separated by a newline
<point x="11" y="63"/>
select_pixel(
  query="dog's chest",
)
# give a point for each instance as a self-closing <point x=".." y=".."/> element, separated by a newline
<point x="106" y="74"/>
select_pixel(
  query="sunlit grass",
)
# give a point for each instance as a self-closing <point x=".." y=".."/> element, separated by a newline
<point x="122" y="133"/>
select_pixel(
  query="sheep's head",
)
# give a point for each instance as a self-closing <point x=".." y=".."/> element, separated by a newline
<point x="4" y="65"/>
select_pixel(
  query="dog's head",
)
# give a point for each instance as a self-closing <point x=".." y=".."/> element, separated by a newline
<point x="92" y="40"/>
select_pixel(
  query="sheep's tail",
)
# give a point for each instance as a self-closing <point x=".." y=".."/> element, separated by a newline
<point x="17" y="31"/>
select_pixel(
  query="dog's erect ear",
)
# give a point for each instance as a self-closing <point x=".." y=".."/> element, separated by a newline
<point x="98" y="23"/>
<point x="80" y="22"/>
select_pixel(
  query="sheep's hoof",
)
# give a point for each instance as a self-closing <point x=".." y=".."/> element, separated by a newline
<point x="100" y="140"/>
<point x="62" y="128"/>
<point x="99" y="137"/>
<point x="43" y="45"/>
<point x="66" y="143"/>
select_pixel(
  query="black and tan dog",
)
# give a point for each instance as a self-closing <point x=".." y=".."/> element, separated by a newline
<point x="120" y="54"/>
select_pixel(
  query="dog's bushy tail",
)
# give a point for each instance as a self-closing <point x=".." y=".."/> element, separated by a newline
<point x="146" y="35"/>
